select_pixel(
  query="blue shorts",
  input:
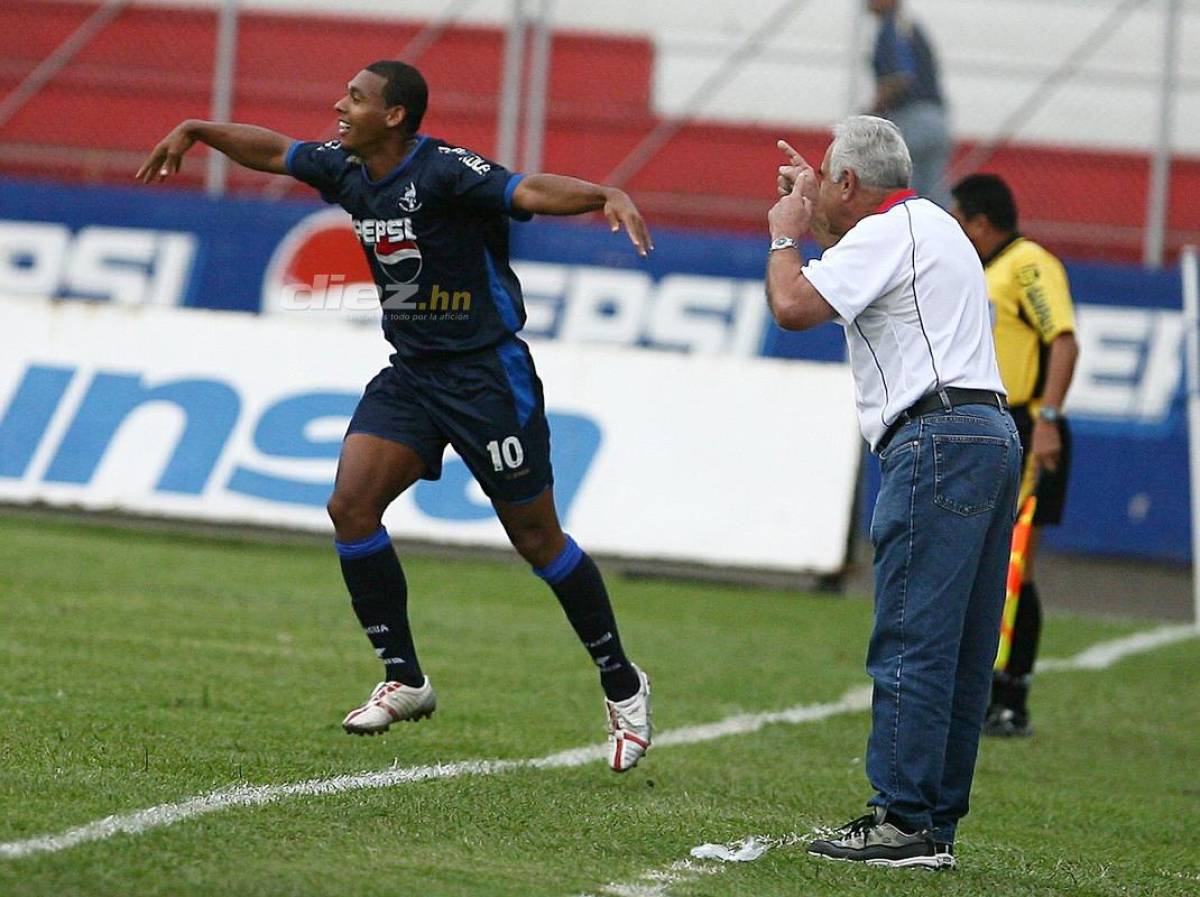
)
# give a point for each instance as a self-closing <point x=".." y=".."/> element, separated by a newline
<point x="487" y="405"/>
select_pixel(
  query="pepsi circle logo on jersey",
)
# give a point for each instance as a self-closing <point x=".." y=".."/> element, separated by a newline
<point x="401" y="261"/>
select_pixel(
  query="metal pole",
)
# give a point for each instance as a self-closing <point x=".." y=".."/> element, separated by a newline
<point x="510" y="88"/>
<point x="1191" y="322"/>
<point x="535" y="90"/>
<point x="45" y="70"/>
<point x="428" y="36"/>
<point x="1158" y="196"/>
<point x="222" y="91"/>
<point x="854" y="79"/>
<point x="661" y="135"/>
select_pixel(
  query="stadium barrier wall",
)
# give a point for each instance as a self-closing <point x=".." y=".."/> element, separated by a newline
<point x="220" y="416"/>
<point x="697" y="294"/>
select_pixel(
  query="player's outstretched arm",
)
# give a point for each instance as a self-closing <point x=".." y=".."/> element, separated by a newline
<point x="248" y="145"/>
<point x="555" y="194"/>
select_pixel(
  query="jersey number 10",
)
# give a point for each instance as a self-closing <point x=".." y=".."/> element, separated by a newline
<point x="508" y="453"/>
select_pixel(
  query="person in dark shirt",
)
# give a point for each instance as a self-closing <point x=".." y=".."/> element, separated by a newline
<point x="907" y="91"/>
<point x="432" y="219"/>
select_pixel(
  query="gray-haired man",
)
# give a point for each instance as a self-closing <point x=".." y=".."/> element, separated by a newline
<point x="898" y="273"/>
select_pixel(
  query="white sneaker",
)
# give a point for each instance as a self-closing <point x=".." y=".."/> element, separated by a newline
<point x="391" y="702"/>
<point x="629" y="726"/>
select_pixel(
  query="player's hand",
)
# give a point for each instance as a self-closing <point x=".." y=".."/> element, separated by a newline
<point x="792" y="214"/>
<point x="621" y="212"/>
<point x="1047" y="445"/>
<point x="166" y="158"/>
<point x="788" y="174"/>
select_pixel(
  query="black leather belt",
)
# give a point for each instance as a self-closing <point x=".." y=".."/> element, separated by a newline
<point x="942" y="400"/>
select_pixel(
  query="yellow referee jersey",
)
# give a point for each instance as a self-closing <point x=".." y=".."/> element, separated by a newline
<point x="1031" y="305"/>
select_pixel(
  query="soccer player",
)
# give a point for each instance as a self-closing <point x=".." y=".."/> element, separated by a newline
<point x="433" y="221"/>
<point x="1034" y="324"/>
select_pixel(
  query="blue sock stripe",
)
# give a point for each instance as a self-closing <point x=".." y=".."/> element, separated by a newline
<point x="363" y="547"/>
<point x="563" y="565"/>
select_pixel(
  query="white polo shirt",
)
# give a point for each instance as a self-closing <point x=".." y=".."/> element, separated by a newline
<point x="909" y="289"/>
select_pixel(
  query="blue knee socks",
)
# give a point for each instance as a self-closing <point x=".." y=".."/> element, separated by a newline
<point x="577" y="583"/>
<point x="379" y="594"/>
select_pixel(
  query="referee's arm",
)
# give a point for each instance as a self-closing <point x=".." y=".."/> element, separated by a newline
<point x="1046" y="442"/>
<point x="1045" y="298"/>
<point x="1060" y="368"/>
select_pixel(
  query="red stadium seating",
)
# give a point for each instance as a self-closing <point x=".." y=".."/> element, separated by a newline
<point x="152" y="67"/>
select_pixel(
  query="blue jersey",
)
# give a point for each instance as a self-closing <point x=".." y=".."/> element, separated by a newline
<point x="903" y="49"/>
<point x="435" y="233"/>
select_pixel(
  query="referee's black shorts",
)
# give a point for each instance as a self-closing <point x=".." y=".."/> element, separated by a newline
<point x="1052" y="485"/>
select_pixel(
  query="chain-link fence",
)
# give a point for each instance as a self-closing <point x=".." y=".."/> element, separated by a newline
<point x="1091" y="108"/>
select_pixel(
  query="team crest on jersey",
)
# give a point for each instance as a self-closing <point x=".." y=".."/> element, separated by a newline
<point x="409" y="202"/>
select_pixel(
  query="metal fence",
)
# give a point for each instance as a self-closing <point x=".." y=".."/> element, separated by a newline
<point x="681" y="107"/>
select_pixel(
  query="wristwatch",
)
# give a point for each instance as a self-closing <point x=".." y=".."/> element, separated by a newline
<point x="1050" y="414"/>
<point x="783" y="243"/>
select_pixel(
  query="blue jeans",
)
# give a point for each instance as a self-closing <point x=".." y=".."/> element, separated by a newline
<point x="923" y="124"/>
<point x="942" y="531"/>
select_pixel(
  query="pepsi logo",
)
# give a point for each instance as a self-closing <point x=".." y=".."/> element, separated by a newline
<point x="320" y="248"/>
<point x="400" y="259"/>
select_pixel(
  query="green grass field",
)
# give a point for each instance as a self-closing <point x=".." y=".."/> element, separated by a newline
<point x="140" y="669"/>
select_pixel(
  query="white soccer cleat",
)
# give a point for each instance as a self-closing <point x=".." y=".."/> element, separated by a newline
<point x="629" y="726"/>
<point x="391" y="702"/>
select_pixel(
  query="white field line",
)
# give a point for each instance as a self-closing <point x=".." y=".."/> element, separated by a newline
<point x="1097" y="657"/>
<point x="1105" y="654"/>
<point x="707" y="859"/>
<point x="657" y="882"/>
